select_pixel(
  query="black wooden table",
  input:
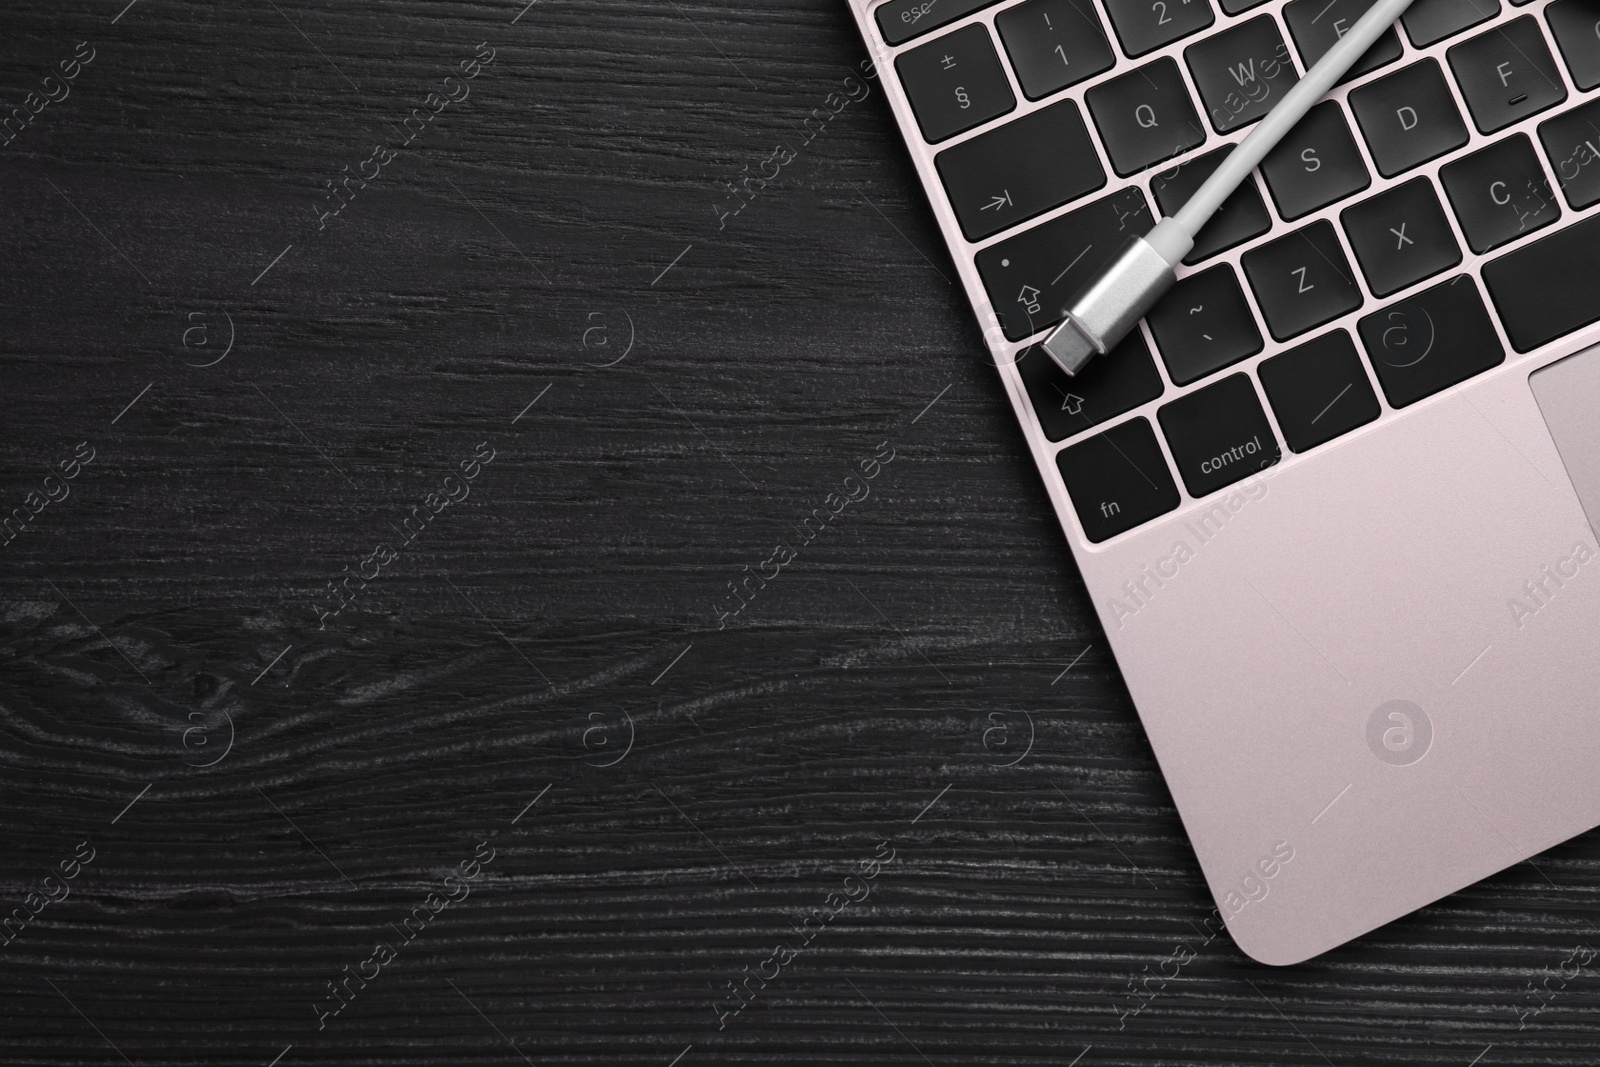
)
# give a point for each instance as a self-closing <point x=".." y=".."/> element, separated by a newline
<point x="513" y="553"/>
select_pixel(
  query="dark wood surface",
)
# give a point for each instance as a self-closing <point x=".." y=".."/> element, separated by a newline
<point x="909" y="758"/>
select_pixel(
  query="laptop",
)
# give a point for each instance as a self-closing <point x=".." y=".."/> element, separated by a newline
<point x="1336" y="499"/>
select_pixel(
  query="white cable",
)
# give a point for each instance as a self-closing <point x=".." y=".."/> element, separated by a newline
<point x="1322" y="76"/>
<point x="1106" y="309"/>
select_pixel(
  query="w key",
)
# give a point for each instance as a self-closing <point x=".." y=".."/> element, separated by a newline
<point x="1241" y="72"/>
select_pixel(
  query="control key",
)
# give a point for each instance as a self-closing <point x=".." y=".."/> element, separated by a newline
<point x="1219" y="435"/>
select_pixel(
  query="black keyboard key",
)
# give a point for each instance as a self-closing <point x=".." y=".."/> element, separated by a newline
<point x="1241" y="72"/>
<point x="1118" y="479"/>
<point x="1053" y="44"/>
<point x="1500" y="193"/>
<point x="1203" y="324"/>
<point x="1145" y="25"/>
<point x="1428" y="21"/>
<point x="1408" y="117"/>
<point x="1219" y="435"/>
<point x="1020" y="170"/>
<point x="1302" y="280"/>
<point x="1145" y="116"/>
<point x="1317" y="25"/>
<point x="955" y="83"/>
<point x="1401" y="236"/>
<point x="1319" y="391"/>
<point x="1112" y="385"/>
<point x="1241" y="217"/>
<point x="1431" y="341"/>
<point x="1031" y="277"/>
<point x="1239" y="7"/>
<point x="1548" y="288"/>
<point x="1576" y="25"/>
<point x="1316" y="164"/>
<point x="1507" y="74"/>
<point x="901" y="20"/>
<point x="1572" y="141"/>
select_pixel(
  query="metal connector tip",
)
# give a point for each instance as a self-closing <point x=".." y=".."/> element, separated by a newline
<point x="1111" y="305"/>
<point x="1070" y="347"/>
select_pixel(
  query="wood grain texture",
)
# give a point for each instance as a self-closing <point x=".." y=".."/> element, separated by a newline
<point x="268" y="793"/>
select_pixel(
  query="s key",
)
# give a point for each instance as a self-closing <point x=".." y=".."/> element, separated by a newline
<point x="1316" y="163"/>
<point x="955" y="82"/>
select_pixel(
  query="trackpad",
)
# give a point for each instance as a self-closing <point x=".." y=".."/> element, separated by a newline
<point x="1568" y="393"/>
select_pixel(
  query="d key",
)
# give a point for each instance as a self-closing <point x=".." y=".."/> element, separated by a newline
<point x="1408" y="117"/>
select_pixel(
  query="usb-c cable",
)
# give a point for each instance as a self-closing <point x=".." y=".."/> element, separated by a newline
<point x="1110" y="306"/>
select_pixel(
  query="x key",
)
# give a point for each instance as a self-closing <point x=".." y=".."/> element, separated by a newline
<point x="1401" y="237"/>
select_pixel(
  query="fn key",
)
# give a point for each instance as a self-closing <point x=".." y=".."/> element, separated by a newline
<point x="1118" y="479"/>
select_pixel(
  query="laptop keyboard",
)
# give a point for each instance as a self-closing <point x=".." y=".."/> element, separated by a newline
<point x="1348" y="269"/>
